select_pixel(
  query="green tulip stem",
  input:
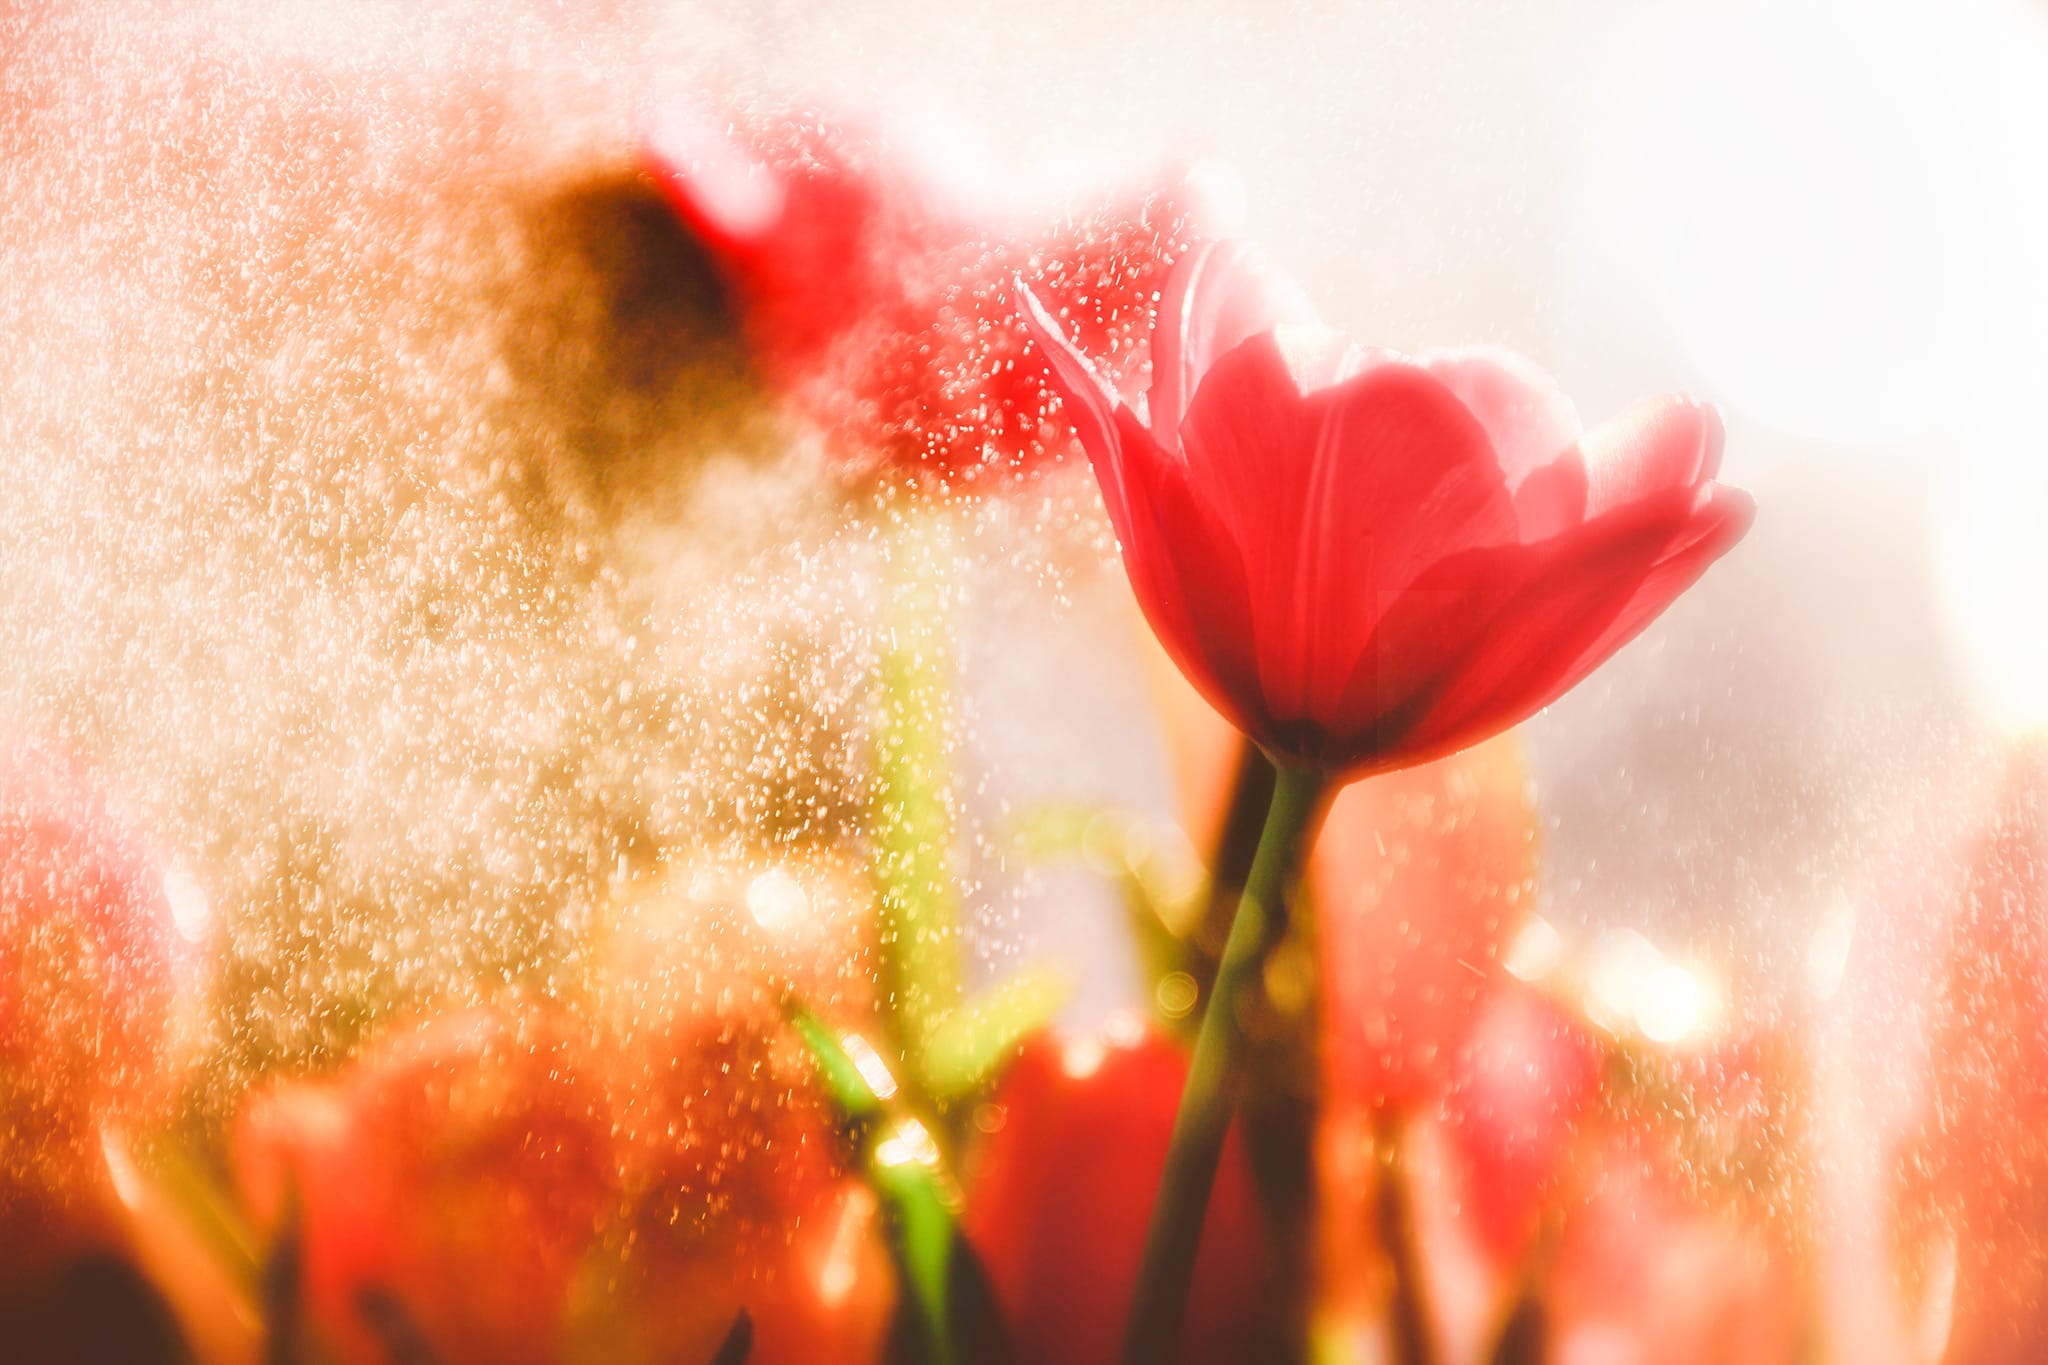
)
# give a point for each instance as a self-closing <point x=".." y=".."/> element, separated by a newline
<point x="1152" y="1334"/>
<point x="918" y="948"/>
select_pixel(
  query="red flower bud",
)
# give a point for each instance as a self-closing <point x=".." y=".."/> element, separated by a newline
<point x="1062" y="1194"/>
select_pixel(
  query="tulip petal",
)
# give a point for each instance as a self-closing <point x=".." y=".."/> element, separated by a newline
<point x="1183" y="562"/>
<point x="1338" y="501"/>
<point x="1192" y="583"/>
<point x="1720" y="518"/>
<point x="1432" y="624"/>
<point x="1537" y="620"/>
<point x="1659" y="444"/>
<point x="1391" y="438"/>
<point x="1220" y="295"/>
<point x="1533" y="426"/>
<point x="1089" y="404"/>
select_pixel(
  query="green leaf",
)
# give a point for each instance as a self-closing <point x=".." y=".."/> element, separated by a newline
<point x="852" y="1092"/>
<point x="902" y="1165"/>
<point x="912" y="820"/>
<point x="196" y="1195"/>
<point x="964" y="1050"/>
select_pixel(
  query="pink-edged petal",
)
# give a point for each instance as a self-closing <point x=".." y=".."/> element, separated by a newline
<point x="1400" y="475"/>
<point x="1218" y="296"/>
<point x="724" y="195"/>
<point x="1659" y="444"/>
<point x="1089" y="403"/>
<point x="1533" y="427"/>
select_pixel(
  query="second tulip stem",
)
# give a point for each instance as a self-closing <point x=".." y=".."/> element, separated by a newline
<point x="1152" y="1334"/>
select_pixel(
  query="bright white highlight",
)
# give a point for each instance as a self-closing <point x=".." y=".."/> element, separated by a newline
<point x="1821" y="200"/>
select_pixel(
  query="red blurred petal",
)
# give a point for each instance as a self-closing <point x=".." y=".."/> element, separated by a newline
<point x="1062" y="1195"/>
<point x="1420" y="878"/>
<point x="1523" y="1079"/>
<point x="90" y="950"/>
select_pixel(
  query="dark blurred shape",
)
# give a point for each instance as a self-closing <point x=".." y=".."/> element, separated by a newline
<point x="874" y="282"/>
<point x="92" y="1310"/>
<point x="622" y="335"/>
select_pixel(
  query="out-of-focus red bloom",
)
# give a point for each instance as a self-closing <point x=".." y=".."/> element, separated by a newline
<point x="1062" y="1193"/>
<point x="1645" y="1274"/>
<point x="738" y="1198"/>
<point x="458" y="1172"/>
<point x="1521" y="1082"/>
<point x="88" y="958"/>
<point x="1366" y="560"/>
<point x="1979" y="1179"/>
<point x="517" y="1195"/>
<point x="875" y="288"/>
<point x="1421" y="878"/>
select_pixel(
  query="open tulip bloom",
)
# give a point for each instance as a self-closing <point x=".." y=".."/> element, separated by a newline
<point x="1364" y="560"/>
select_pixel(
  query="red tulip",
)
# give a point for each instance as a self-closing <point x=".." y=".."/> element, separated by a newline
<point x="521" y="1197"/>
<point x="461" y="1170"/>
<point x="1366" y="560"/>
<point x="876" y="292"/>
<point x="1060" y="1197"/>
<point x="88" y="958"/>
<point x="1522" y="1081"/>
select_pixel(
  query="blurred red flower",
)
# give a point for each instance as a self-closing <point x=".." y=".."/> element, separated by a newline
<point x="738" y="1197"/>
<point x="450" y="1182"/>
<point x="509" y="1188"/>
<point x="1421" y="879"/>
<point x="875" y="288"/>
<point x="1521" y="1084"/>
<point x="1366" y="560"/>
<point x="1645" y="1273"/>
<point x="1062" y="1191"/>
<point x="88" y="959"/>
